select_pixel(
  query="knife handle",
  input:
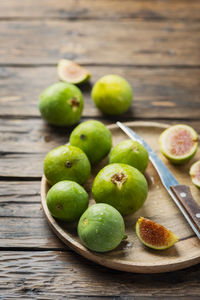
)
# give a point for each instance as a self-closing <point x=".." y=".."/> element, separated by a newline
<point x="184" y="196"/>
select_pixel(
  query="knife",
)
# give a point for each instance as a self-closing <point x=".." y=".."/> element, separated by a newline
<point x="181" y="194"/>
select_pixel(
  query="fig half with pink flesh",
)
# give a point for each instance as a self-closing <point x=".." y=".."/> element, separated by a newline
<point x="71" y="72"/>
<point x="179" y="143"/>
<point x="154" y="235"/>
<point x="195" y="173"/>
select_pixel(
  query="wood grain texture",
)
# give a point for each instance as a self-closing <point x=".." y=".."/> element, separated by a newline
<point x="22" y="220"/>
<point x="158" y="92"/>
<point x="27" y="232"/>
<point x="60" y="275"/>
<point x="30" y="135"/>
<point x="131" y="255"/>
<point x="101" y="9"/>
<point x="100" y="42"/>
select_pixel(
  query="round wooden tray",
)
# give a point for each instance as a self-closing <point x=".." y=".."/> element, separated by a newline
<point x="131" y="255"/>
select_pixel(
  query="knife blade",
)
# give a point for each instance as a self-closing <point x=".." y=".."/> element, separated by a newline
<point x="179" y="193"/>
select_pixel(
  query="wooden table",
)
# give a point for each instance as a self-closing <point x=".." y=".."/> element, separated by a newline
<point x="155" y="45"/>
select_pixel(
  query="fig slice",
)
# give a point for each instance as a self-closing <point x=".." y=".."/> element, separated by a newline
<point x="195" y="173"/>
<point x="71" y="72"/>
<point x="154" y="235"/>
<point x="178" y="143"/>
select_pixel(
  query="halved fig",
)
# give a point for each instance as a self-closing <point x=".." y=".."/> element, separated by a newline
<point x="154" y="235"/>
<point x="71" y="72"/>
<point x="178" y="143"/>
<point x="195" y="173"/>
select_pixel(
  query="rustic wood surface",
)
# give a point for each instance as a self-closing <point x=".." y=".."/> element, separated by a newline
<point x="103" y="9"/>
<point x="155" y="45"/>
<point x="93" y="41"/>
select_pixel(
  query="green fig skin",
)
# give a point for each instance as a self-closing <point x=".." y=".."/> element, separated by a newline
<point x="61" y="104"/>
<point x="112" y="94"/>
<point x="131" y="153"/>
<point x="94" y="138"/>
<point x="121" y="186"/>
<point x="67" y="200"/>
<point x="101" y="228"/>
<point x="66" y="163"/>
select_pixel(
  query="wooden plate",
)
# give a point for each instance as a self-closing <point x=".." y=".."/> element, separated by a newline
<point x="131" y="255"/>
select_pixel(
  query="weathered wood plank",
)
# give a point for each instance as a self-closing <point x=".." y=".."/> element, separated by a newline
<point x="30" y="135"/>
<point x="28" y="233"/>
<point x="95" y="9"/>
<point x="22" y="222"/>
<point x="25" y="142"/>
<point x="60" y="275"/>
<point x="132" y="42"/>
<point x="158" y="92"/>
<point x="19" y="192"/>
<point x="22" y="165"/>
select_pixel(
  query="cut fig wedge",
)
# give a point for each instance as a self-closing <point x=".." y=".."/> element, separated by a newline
<point x="178" y="143"/>
<point x="195" y="173"/>
<point x="154" y="235"/>
<point x="71" y="72"/>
